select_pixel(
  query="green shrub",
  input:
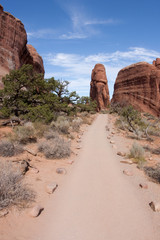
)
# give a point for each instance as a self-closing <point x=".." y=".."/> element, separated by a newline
<point x="42" y="112"/>
<point x="137" y="153"/>
<point x="55" y="148"/>
<point x="13" y="192"/>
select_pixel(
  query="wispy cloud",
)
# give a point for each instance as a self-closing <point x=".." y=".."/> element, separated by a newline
<point x="80" y="26"/>
<point x="102" y="22"/>
<point x="72" y="35"/>
<point x="77" y="68"/>
<point x="42" y="34"/>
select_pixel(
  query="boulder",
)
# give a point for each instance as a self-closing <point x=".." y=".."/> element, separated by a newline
<point x="139" y="86"/>
<point x="99" y="87"/>
<point x="14" y="51"/>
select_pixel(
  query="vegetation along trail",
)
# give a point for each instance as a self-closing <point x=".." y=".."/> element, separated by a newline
<point x="97" y="201"/>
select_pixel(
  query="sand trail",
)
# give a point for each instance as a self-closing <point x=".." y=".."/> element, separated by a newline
<point x="96" y="201"/>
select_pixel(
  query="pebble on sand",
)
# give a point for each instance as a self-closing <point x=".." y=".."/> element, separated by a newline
<point x="126" y="161"/>
<point x="122" y="154"/>
<point x="61" y="171"/>
<point x="128" y="172"/>
<point x="50" y="188"/>
<point x="143" y="185"/>
<point x="36" y="211"/>
<point x="155" y="206"/>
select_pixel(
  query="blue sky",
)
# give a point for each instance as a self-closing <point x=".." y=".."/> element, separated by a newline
<point x="73" y="35"/>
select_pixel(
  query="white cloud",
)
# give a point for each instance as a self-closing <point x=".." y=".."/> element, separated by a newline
<point x="77" y="68"/>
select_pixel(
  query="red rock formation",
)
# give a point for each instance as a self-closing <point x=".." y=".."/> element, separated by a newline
<point x="139" y="85"/>
<point x="32" y="57"/>
<point x="99" y="87"/>
<point x="14" y="51"/>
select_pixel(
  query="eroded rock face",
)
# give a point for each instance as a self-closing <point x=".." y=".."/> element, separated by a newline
<point x="139" y="85"/>
<point x="14" y="51"/>
<point x="35" y="59"/>
<point x="99" y="87"/>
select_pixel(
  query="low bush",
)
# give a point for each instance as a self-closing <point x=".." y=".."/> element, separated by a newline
<point x="130" y="120"/>
<point x="137" y="153"/>
<point x="61" y="125"/>
<point x="76" y="123"/>
<point x="88" y="119"/>
<point x="51" y="135"/>
<point x="40" y="129"/>
<point x="153" y="172"/>
<point x="117" y="107"/>
<point x="55" y="148"/>
<point x="152" y="150"/>
<point x="24" y="134"/>
<point x="156" y="151"/>
<point x="84" y="114"/>
<point x="8" y="149"/>
<point x="13" y="192"/>
<point x="121" y="124"/>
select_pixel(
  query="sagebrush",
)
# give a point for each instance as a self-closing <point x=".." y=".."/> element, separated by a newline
<point x="61" y="125"/>
<point x="13" y="191"/>
<point x="76" y="123"/>
<point x="56" y="147"/>
<point x="137" y="153"/>
<point x="8" y="149"/>
<point x="24" y="134"/>
<point x="153" y="172"/>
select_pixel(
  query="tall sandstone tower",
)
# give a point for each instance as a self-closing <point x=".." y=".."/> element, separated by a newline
<point x="99" y="87"/>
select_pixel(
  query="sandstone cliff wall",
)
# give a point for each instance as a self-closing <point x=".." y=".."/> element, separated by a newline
<point x="14" y="51"/>
<point x="139" y="85"/>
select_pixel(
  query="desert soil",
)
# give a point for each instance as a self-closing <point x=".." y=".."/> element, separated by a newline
<point x="95" y="200"/>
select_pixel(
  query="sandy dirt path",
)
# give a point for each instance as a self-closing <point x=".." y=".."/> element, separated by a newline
<point x="96" y="201"/>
